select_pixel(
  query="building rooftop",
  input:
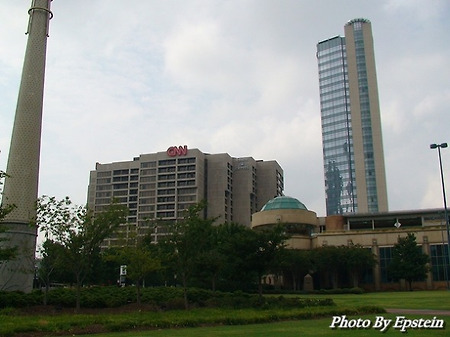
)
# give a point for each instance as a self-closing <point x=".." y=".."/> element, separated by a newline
<point x="283" y="202"/>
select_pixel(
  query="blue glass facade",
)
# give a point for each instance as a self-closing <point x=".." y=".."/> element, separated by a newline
<point x="338" y="153"/>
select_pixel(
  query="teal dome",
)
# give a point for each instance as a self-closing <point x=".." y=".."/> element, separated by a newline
<point x="283" y="202"/>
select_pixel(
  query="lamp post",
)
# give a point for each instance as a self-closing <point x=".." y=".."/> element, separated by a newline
<point x="443" y="146"/>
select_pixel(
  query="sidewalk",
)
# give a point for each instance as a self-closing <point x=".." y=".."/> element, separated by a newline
<point x="419" y="312"/>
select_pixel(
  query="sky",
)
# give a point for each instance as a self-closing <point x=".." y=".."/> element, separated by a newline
<point x="125" y="78"/>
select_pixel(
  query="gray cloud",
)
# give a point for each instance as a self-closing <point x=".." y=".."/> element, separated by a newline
<point x="226" y="76"/>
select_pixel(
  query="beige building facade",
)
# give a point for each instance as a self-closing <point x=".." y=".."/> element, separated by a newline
<point x="378" y="232"/>
<point x="159" y="187"/>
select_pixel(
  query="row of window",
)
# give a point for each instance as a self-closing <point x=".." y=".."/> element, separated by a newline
<point x="331" y="79"/>
<point x="330" y="46"/>
<point x="439" y="262"/>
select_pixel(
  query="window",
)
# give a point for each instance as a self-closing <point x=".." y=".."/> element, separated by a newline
<point x="147" y="172"/>
<point x="102" y="194"/>
<point x="167" y="162"/>
<point x="166" y="199"/>
<point x="186" y="160"/>
<point x="439" y="260"/>
<point x="385" y="260"/>
<point x="147" y="186"/>
<point x="120" y="172"/>
<point x="148" y="164"/>
<point x="120" y="186"/>
<point x="166" y="191"/>
<point x="123" y="178"/>
<point x="166" y="176"/>
<point x="120" y="193"/>
<point x="147" y="193"/>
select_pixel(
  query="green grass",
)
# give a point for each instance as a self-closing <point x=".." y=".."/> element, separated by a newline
<point x="160" y="320"/>
<point x="304" y="328"/>
<point x="243" y="322"/>
<point x="438" y="300"/>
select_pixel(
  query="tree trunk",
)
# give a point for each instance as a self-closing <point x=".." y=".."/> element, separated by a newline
<point x="213" y="283"/>
<point x="186" y="303"/>
<point x="78" y="294"/>
<point x="47" y="286"/>
<point x="355" y="279"/>
<point x="138" y="292"/>
<point x="334" y="280"/>
<point x="260" y="286"/>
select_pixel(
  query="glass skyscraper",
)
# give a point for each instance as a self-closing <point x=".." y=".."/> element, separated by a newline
<point x="355" y="180"/>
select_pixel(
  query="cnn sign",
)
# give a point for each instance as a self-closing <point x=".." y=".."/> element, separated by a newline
<point x="174" y="151"/>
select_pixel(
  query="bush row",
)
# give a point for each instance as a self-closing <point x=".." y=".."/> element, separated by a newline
<point x="161" y="298"/>
<point x="355" y="290"/>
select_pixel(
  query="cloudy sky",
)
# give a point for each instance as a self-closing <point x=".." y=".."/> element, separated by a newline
<point x="236" y="76"/>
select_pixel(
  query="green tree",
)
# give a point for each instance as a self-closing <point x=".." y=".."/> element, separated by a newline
<point x="51" y="261"/>
<point x="234" y="273"/>
<point x="250" y="254"/>
<point x="296" y="263"/>
<point x="358" y="259"/>
<point x="330" y="263"/>
<point x="187" y="241"/>
<point x="337" y="263"/>
<point x="268" y="248"/>
<point x="408" y="261"/>
<point x="140" y="259"/>
<point x="79" y="233"/>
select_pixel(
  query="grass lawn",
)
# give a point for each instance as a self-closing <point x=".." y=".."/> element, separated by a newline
<point x="438" y="300"/>
<point x="284" y="322"/>
<point x="304" y="328"/>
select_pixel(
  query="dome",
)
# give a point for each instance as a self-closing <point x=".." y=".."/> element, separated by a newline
<point x="283" y="202"/>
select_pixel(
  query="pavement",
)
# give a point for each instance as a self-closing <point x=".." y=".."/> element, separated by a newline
<point x="419" y="312"/>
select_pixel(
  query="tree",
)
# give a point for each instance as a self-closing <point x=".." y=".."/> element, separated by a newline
<point x="79" y="233"/>
<point x="296" y="263"/>
<point x="6" y="253"/>
<point x="140" y="259"/>
<point x="358" y="259"/>
<point x="408" y="261"/>
<point x="337" y="263"/>
<point x="51" y="253"/>
<point x="268" y="247"/>
<point x="187" y="240"/>
<point x="329" y="261"/>
<point x="233" y="273"/>
<point x="249" y="254"/>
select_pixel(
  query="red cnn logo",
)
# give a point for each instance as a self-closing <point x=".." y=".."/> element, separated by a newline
<point x="174" y="151"/>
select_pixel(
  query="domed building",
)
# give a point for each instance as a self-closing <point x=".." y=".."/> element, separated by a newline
<point x="378" y="232"/>
<point x="299" y="222"/>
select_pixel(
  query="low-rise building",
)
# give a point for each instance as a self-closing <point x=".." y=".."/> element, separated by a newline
<point x="378" y="232"/>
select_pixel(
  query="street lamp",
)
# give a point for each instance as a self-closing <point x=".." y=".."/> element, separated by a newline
<point x="443" y="146"/>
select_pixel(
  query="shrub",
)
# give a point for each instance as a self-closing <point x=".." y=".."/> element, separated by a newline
<point x="9" y="312"/>
<point x="17" y="299"/>
<point x="174" y="304"/>
<point x="166" y="298"/>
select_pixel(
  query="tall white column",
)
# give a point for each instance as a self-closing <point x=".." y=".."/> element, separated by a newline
<point x="21" y="185"/>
